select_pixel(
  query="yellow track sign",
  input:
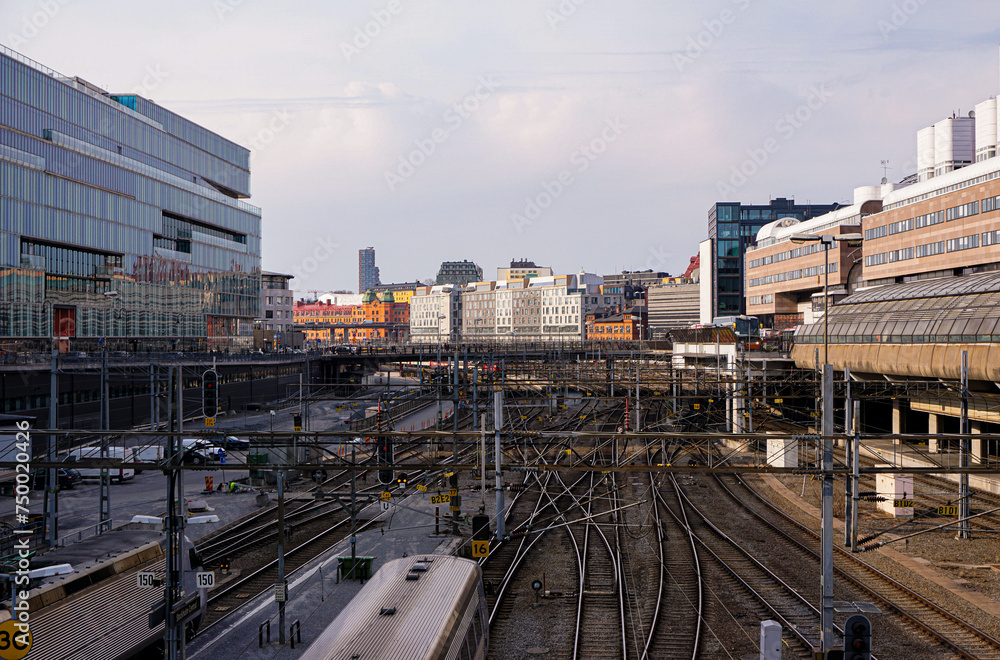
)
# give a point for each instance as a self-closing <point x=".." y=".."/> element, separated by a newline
<point x="902" y="503"/>
<point x="422" y="488"/>
<point x="209" y="422"/>
<point x="386" y="496"/>
<point x="440" y="499"/>
<point x="947" y="510"/>
<point x="14" y="644"/>
<point x="480" y="549"/>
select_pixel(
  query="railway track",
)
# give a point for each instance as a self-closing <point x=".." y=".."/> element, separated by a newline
<point x="953" y="634"/>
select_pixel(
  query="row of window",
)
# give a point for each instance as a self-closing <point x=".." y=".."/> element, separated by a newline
<point x="782" y="256"/>
<point x="765" y="299"/>
<point x="791" y="275"/>
<point x="933" y="218"/>
<point x="931" y="249"/>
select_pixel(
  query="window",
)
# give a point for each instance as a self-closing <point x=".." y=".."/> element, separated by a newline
<point x="929" y="219"/>
<point x="963" y="243"/>
<point x="963" y="211"/>
<point x="901" y="226"/>
<point x="930" y="249"/>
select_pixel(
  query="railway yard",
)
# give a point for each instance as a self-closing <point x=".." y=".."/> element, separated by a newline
<point x="636" y="524"/>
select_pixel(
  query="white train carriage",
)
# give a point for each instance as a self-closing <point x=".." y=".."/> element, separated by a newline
<point x="429" y="607"/>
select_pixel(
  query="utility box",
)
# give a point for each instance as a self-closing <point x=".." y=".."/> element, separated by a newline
<point x="770" y="640"/>
<point x="256" y="459"/>
<point x="897" y="489"/>
<point x="783" y="452"/>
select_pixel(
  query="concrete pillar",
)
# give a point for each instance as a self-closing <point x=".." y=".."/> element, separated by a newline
<point x="932" y="427"/>
<point x="976" y="427"/>
<point x="898" y="417"/>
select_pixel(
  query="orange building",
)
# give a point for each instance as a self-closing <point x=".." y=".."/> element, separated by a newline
<point x="628" y="326"/>
<point x="379" y="318"/>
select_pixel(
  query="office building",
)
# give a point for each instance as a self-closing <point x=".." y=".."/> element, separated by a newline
<point x="785" y="280"/>
<point x="122" y="221"/>
<point x="367" y="270"/>
<point x="672" y="305"/>
<point x="732" y="228"/>
<point x="520" y="269"/>
<point x="459" y="272"/>
<point x="637" y="279"/>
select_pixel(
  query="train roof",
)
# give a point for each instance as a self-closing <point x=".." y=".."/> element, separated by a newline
<point x="424" y="613"/>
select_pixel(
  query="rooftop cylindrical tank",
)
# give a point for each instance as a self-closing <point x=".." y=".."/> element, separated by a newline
<point x="925" y="153"/>
<point x="986" y="129"/>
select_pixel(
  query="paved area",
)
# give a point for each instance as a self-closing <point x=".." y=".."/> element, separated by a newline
<point x="315" y="595"/>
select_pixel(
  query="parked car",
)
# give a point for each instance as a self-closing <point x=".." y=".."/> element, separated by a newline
<point x="232" y="442"/>
<point x="212" y="451"/>
<point x="68" y="477"/>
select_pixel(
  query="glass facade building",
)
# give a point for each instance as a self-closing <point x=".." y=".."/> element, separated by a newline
<point x="732" y="228"/>
<point x="119" y="220"/>
<point x="368" y="276"/>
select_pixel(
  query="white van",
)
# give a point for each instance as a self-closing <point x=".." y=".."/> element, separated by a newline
<point x="114" y="453"/>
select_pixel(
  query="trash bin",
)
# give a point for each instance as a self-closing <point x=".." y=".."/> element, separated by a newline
<point x="362" y="568"/>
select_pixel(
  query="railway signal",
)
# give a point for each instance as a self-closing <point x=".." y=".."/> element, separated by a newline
<point x="401" y="481"/>
<point x="857" y="638"/>
<point x="386" y="476"/>
<point x="210" y="395"/>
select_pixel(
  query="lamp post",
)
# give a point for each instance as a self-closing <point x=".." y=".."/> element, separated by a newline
<point x="826" y="521"/>
<point x="827" y="240"/>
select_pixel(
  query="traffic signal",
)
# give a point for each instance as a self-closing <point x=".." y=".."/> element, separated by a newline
<point x="210" y="393"/>
<point x="296" y="422"/>
<point x="385" y="457"/>
<point x="224" y="565"/>
<point x="401" y="480"/>
<point x="858" y="638"/>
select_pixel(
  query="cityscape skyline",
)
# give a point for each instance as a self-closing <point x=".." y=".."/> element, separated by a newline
<point x="355" y="137"/>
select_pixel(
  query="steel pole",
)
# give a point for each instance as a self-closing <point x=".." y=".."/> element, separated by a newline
<point x="281" y="555"/>
<point x="497" y="425"/>
<point x="827" y="637"/>
<point x="51" y="487"/>
<point x="963" y="453"/>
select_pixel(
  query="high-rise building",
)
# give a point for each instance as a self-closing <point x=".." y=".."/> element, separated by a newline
<point x="459" y="272"/>
<point x="121" y="220"/>
<point x="732" y="228"/>
<point x="367" y="270"/>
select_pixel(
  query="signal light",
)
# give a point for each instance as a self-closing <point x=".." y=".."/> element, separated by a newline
<point x="210" y="393"/>
<point x="857" y="638"/>
<point x="224" y="565"/>
<point x="401" y="480"/>
<point x="386" y="477"/>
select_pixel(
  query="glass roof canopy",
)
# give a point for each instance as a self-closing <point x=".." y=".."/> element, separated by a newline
<point x="944" y="310"/>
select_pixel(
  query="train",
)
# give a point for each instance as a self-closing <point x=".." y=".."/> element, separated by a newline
<point x="425" y="607"/>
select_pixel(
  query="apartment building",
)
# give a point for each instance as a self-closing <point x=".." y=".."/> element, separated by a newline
<point x="435" y="316"/>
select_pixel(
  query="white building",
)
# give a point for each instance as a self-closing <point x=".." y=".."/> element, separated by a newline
<point x="435" y="314"/>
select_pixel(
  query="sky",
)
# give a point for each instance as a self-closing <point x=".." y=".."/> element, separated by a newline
<point x="581" y="134"/>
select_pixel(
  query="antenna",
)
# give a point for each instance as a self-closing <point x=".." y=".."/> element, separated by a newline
<point x="885" y="170"/>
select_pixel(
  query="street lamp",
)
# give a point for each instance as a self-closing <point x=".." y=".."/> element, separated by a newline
<point x="118" y="311"/>
<point x="827" y="240"/>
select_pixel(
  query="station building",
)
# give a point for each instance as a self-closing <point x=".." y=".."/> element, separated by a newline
<point x="123" y="223"/>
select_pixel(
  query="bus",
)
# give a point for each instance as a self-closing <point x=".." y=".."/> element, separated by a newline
<point x="746" y="329"/>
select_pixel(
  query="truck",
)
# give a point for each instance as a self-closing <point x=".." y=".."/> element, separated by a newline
<point x="122" y="454"/>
